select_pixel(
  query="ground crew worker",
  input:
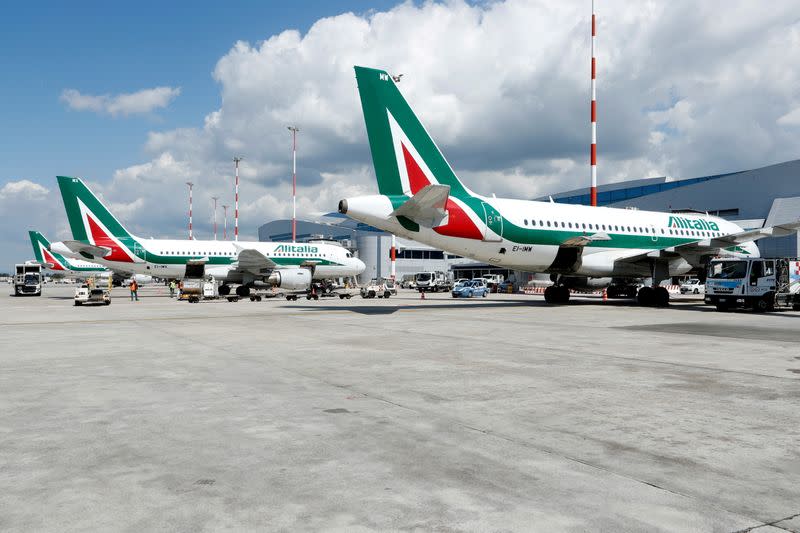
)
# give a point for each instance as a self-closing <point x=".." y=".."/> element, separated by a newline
<point x="172" y="289"/>
<point x="134" y="290"/>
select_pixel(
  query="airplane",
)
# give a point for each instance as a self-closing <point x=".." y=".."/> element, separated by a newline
<point x="72" y="266"/>
<point x="100" y="237"/>
<point x="422" y="199"/>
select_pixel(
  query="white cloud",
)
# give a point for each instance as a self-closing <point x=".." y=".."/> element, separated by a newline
<point x="22" y="189"/>
<point x="502" y="87"/>
<point x="140" y="102"/>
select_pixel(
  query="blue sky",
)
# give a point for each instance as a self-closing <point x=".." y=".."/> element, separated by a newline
<point x="112" y="47"/>
<point x="502" y="85"/>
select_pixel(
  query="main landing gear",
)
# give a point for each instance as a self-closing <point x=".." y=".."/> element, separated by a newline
<point x="556" y="294"/>
<point x="653" y="297"/>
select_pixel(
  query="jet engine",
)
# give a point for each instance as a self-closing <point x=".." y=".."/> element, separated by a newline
<point x="291" y="278"/>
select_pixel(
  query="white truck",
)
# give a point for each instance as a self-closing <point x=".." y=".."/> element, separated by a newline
<point x="756" y="283"/>
<point x="433" y="282"/>
<point x="28" y="279"/>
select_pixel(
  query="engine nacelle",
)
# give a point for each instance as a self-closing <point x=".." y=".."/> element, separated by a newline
<point x="291" y="278"/>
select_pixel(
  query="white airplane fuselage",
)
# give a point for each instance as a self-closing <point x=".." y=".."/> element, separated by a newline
<point x="543" y="224"/>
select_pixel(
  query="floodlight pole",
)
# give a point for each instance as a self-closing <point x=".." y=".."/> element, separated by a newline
<point x="190" y="184"/>
<point x="225" y="226"/>
<point x="294" y="130"/>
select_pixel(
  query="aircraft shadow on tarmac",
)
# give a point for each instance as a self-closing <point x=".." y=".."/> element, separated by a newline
<point x="694" y="306"/>
<point x="388" y="310"/>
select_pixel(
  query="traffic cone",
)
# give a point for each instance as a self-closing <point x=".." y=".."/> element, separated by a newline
<point x="605" y="295"/>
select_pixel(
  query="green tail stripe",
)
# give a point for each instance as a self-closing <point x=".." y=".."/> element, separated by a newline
<point x="379" y="97"/>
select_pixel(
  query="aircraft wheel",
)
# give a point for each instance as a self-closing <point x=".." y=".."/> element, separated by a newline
<point x="108" y="303"/>
<point x="243" y="291"/>
<point x="696" y="291"/>
<point x="252" y="298"/>
<point x="341" y="296"/>
<point x="548" y="295"/>
<point x="645" y="296"/>
<point x="661" y="297"/>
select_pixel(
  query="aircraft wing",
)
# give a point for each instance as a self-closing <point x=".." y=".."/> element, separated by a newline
<point x="251" y="260"/>
<point x="726" y="241"/>
<point x="427" y="207"/>
<point x="707" y="247"/>
<point x="583" y="240"/>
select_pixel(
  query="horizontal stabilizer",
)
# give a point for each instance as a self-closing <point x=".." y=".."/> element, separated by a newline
<point x="427" y="207"/>
<point x="78" y="247"/>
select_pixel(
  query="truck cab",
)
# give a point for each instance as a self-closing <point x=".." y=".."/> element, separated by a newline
<point x="28" y="279"/>
<point x="755" y="283"/>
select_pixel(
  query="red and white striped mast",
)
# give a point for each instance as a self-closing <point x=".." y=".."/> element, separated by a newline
<point x="225" y="226"/>
<point x="236" y="160"/>
<point x="190" y="184"/>
<point x="593" y="148"/>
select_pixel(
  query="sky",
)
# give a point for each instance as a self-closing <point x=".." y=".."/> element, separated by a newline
<point x="139" y="98"/>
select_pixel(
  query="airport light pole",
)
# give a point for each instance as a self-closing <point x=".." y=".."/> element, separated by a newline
<point x="215" y="198"/>
<point x="225" y="226"/>
<point x="236" y="160"/>
<point x="190" y="184"/>
<point x="294" y="130"/>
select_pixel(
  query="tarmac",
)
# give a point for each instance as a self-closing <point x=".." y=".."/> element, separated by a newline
<point x="495" y="414"/>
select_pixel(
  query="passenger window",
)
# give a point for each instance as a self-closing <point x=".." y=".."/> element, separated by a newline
<point x="526" y="221"/>
<point x="570" y="224"/>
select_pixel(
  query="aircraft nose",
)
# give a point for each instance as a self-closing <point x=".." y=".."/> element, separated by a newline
<point x="360" y="266"/>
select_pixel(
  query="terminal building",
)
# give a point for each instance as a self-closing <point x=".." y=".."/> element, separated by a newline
<point x="752" y="198"/>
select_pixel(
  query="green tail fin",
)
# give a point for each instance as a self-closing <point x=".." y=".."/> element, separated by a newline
<point x="91" y="221"/>
<point x="43" y="255"/>
<point x="403" y="153"/>
<point x="80" y="201"/>
<point x="37" y="241"/>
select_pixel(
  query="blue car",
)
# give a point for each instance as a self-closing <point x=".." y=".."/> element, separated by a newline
<point x="468" y="289"/>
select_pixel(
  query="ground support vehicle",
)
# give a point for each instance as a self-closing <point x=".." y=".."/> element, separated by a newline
<point x="88" y="295"/>
<point x="28" y="279"/>
<point x="468" y="289"/>
<point x="756" y="283"/>
<point x="433" y="282"/>
<point x="493" y="281"/>
<point x="375" y="289"/>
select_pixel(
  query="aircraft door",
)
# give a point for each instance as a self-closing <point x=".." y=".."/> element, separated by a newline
<point x="494" y="223"/>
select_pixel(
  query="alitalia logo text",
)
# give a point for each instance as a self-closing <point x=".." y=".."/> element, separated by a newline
<point x="296" y="249"/>
<point x="688" y="223"/>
